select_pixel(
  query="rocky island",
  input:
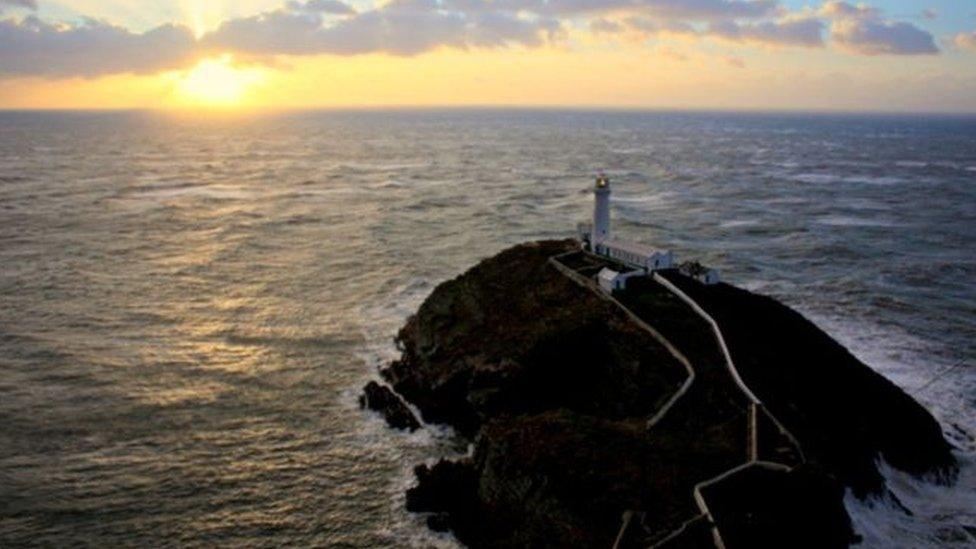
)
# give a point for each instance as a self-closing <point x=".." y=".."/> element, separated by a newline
<point x="615" y="420"/>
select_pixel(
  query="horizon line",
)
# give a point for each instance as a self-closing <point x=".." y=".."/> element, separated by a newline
<point x="244" y="111"/>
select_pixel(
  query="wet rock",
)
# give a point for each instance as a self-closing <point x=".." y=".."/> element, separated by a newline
<point x="381" y="399"/>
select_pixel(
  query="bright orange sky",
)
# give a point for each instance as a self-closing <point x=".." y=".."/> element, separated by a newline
<point x="716" y="54"/>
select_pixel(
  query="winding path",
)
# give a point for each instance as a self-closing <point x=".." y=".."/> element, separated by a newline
<point x="756" y="406"/>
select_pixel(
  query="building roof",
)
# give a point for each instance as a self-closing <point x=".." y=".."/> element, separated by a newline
<point x="608" y="274"/>
<point x="633" y="247"/>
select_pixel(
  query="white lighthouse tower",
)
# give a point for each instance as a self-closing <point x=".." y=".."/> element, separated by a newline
<point x="601" y="211"/>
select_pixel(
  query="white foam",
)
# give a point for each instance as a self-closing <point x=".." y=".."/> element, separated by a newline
<point x="816" y="178"/>
<point x="940" y="514"/>
<point x="432" y="441"/>
<point x="825" y="178"/>
<point x="847" y="221"/>
<point x="731" y="224"/>
<point x="873" y="179"/>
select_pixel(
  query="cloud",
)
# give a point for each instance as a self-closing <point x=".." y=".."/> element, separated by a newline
<point x="29" y="4"/>
<point x="798" y="32"/>
<point x="648" y="26"/>
<point x="707" y="10"/>
<point x="92" y="48"/>
<point x="863" y="30"/>
<point x="605" y="26"/>
<point x="965" y="41"/>
<point x="804" y="32"/>
<point x="838" y="9"/>
<point x="672" y="9"/>
<point x="30" y="46"/>
<point x="930" y="14"/>
<point x="401" y="27"/>
<point x="333" y="7"/>
<point x="877" y="37"/>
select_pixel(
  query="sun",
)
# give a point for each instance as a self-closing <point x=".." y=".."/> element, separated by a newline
<point x="217" y="82"/>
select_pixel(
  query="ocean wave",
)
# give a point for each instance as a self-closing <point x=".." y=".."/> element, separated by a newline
<point x="825" y="178"/>
<point x="941" y="516"/>
<point x="736" y="223"/>
<point x="190" y="190"/>
<point x="848" y="221"/>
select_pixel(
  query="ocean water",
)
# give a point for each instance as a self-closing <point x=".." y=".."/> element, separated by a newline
<point x="191" y="305"/>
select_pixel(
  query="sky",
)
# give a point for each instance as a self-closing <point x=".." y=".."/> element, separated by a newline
<point x="884" y="55"/>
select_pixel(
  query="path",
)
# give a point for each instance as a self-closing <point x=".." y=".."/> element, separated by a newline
<point x="757" y="411"/>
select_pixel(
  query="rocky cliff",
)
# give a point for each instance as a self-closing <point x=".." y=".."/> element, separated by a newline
<point x="556" y="383"/>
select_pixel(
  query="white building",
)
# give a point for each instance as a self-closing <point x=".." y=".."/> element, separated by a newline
<point x="611" y="280"/>
<point x="635" y="255"/>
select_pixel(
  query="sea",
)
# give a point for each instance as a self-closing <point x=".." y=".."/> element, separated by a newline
<point x="190" y="304"/>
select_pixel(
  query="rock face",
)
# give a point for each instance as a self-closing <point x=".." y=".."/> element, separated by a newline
<point x="513" y="336"/>
<point x="845" y="414"/>
<point x="381" y="399"/>
<point x="556" y="383"/>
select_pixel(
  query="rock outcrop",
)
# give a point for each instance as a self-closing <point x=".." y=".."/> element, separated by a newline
<point x="381" y="399"/>
<point x="555" y="384"/>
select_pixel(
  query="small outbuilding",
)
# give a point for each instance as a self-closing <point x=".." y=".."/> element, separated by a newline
<point x="701" y="273"/>
<point x="710" y="277"/>
<point x="611" y="280"/>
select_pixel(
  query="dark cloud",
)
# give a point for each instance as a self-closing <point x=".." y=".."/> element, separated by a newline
<point x="710" y="10"/>
<point x="806" y="32"/>
<point x="333" y="7"/>
<point x="876" y="37"/>
<point x="800" y="32"/>
<point x="707" y="10"/>
<point x="648" y="25"/>
<point x="864" y="30"/>
<point x="93" y="48"/>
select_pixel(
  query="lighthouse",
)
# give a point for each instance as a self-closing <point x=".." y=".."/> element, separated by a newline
<point x="601" y="211"/>
<point x="628" y="259"/>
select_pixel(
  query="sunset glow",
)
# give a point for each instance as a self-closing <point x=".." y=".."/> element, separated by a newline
<point x="217" y="83"/>
<point x="885" y="55"/>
